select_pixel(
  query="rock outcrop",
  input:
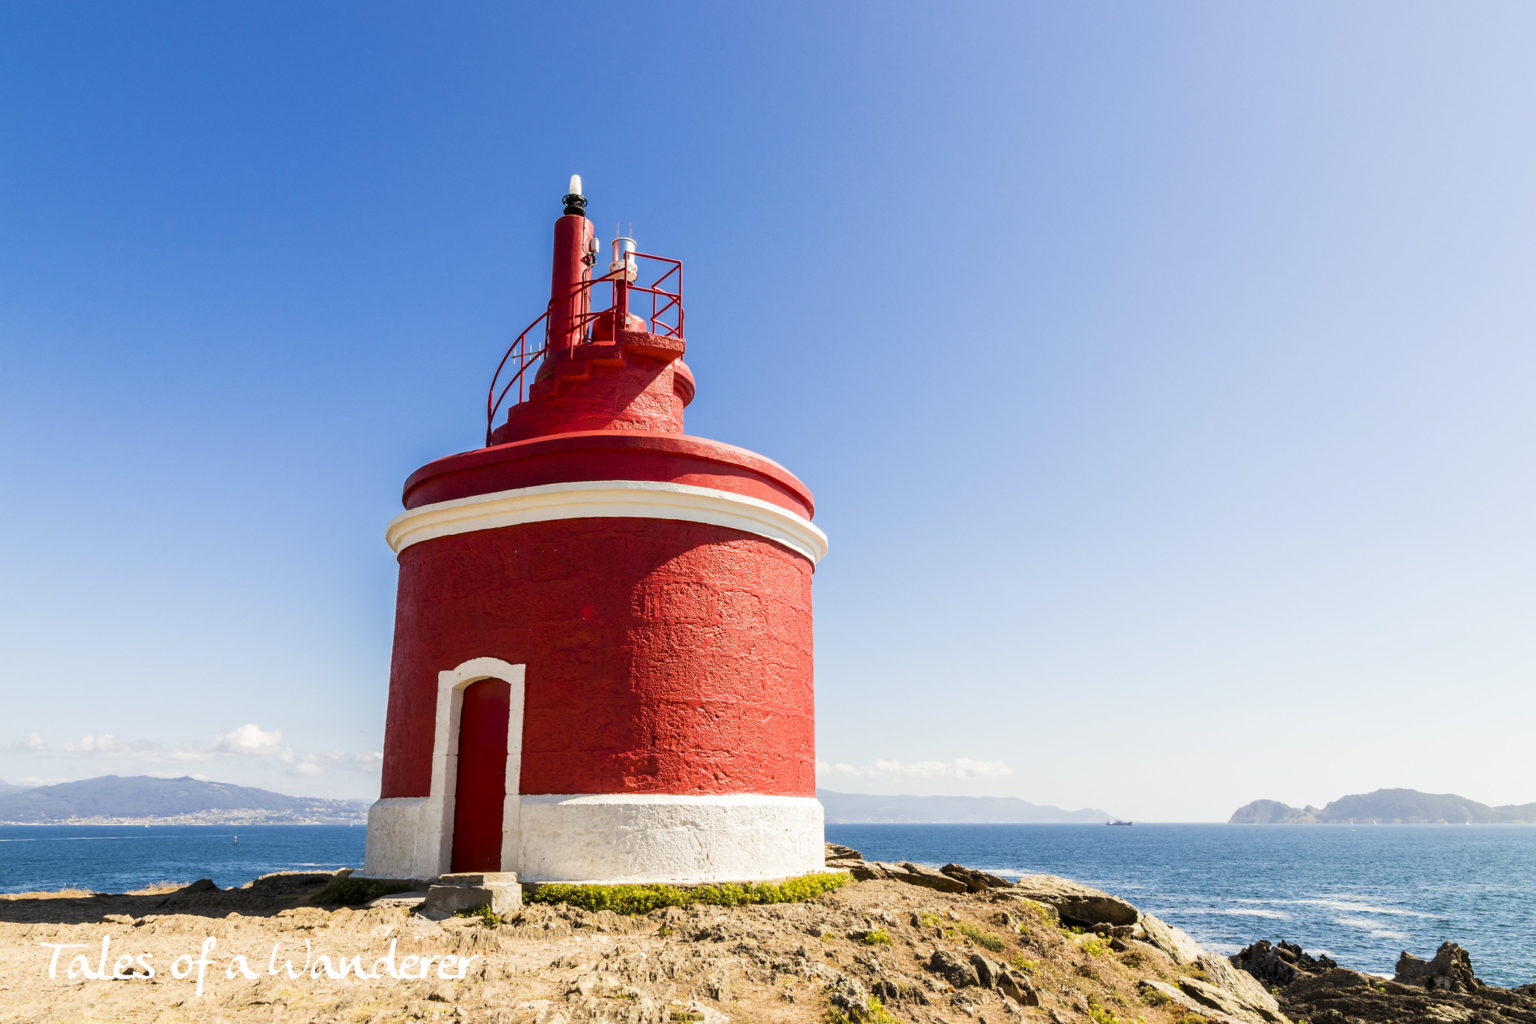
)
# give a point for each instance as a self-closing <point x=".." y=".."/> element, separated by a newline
<point x="1449" y="971"/>
<point x="1442" y="990"/>
<point x="1207" y="985"/>
<point x="1172" y="941"/>
<point x="1076" y="903"/>
<point x="912" y="874"/>
<point x="1266" y="983"/>
<point x="1277" y="966"/>
<point x="975" y="881"/>
<point x="844" y="858"/>
<point x="1232" y="991"/>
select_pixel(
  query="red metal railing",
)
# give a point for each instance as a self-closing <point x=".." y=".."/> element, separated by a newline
<point x="673" y="300"/>
<point x="666" y="319"/>
<point x="525" y="359"/>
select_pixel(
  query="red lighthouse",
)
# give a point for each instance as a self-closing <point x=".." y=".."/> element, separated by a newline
<point x="603" y="659"/>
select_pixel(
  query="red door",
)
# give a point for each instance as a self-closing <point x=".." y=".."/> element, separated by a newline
<point x="480" y="792"/>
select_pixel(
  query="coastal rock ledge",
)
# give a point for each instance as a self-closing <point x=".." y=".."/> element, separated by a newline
<point x="1442" y="990"/>
<point x="911" y="944"/>
<point x="1194" y="984"/>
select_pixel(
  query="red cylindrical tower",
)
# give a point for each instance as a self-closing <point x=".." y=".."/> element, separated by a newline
<point x="603" y="648"/>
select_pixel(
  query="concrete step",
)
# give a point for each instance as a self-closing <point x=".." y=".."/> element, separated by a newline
<point x="471" y="890"/>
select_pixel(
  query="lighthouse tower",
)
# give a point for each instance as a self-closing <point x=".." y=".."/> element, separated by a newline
<point x="602" y="662"/>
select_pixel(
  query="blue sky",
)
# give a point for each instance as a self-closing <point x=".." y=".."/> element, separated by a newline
<point x="1163" y="372"/>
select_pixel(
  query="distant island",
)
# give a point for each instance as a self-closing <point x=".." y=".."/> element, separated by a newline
<point x="144" y="800"/>
<point x="1386" y="807"/>
<point x="864" y="809"/>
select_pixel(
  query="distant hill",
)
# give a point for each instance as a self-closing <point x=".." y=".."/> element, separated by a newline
<point x="6" y="787"/>
<point x="1386" y="807"/>
<point x="1273" y="812"/>
<point x="857" y="808"/>
<point x="112" y="799"/>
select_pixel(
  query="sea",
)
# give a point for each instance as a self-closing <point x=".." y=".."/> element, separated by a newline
<point x="1361" y="894"/>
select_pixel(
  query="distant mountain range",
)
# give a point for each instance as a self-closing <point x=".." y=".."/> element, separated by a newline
<point x="855" y="808"/>
<point x="140" y="799"/>
<point x="1386" y="807"/>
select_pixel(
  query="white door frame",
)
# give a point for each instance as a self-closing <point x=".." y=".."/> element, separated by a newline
<point x="445" y="753"/>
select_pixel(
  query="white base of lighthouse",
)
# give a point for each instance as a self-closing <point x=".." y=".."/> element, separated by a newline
<point x="643" y="837"/>
<point x="657" y="838"/>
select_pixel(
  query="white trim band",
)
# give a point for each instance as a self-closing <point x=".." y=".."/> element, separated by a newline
<point x="622" y="499"/>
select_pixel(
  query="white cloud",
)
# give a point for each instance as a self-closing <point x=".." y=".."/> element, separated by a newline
<point x="250" y="740"/>
<point x="321" y="763"/>
<point x="31" y="742"/>
<point x="246" y="741"/>
<point x="107" y="745"/>
<point x="959" y="768"/>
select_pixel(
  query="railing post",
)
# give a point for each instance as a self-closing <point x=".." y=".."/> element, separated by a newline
<point x="620" y="305"/>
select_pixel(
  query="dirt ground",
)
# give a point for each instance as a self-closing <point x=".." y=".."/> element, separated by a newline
<point x="265" y="952"/>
